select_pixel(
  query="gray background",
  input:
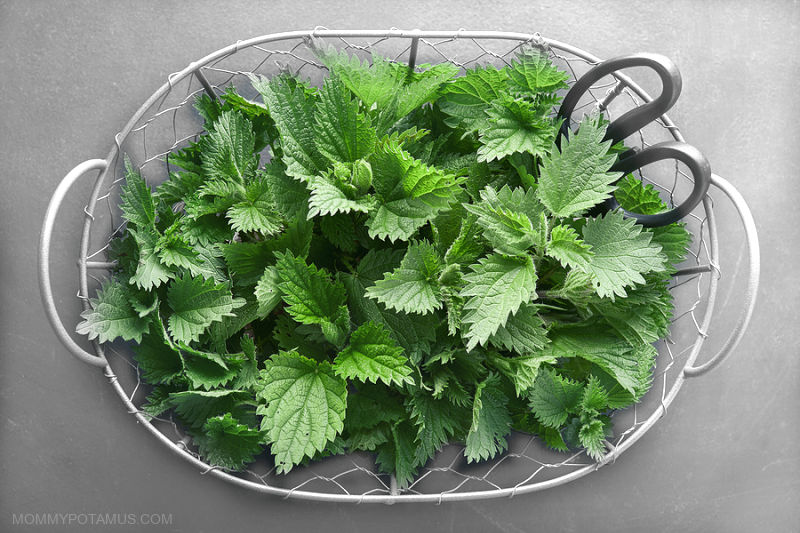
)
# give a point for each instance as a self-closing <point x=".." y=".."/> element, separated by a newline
<point x="725" y="458"/>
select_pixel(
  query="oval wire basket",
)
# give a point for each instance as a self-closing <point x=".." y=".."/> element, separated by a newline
<point x="167" y="121"/>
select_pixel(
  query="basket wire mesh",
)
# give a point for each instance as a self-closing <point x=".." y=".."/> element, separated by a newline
<point x="168" y="121"/>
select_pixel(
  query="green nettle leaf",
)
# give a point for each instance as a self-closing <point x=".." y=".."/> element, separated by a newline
<point x="312" y="297"/>
<point x="374" y="85"/>
<point x="636" y="197"/>
<point x="195" y="304"/>
<point x="329" y="199"/>
<point x="554" y="397"/>
<point x="158" y="362"/>
<point x="256" y="212"/>
<point x="413" y="332"/>
<point x="267" y="291"/>
<point x="468" y="97"/>
<point x="532" y="72"/>
<point x="293" y="112"/>
<point x="303" y="406"/>
<point x="468" y="246"/>
<point x="577" y="177"/>
<point x="622" y="253"/>
<point x="150" y="271"/>
<point x="227" y="443"/>
<point x="136" y="199"/>
<point x="195" y="407"/>
<point x="509" y="218"/>
<point x="524" y="332"/>
<point x="628" y="365"/>
<point x="592" y="436"/>
<point x="490" y="422"/>
<point x="342" y="132"/>
<point x="515" y="126"/>
<point x="565" y="246"/>
<point x="228" y="151"/>
<point x="399" y="455"/>
<point x="112" y="316"/>
<point x="413" y="286"/>
<point x="371" y="356"/>
<point x="396" y="175"/>
<point x="520" y="370"/>
<point x="415" y="251"/>
<point x="495" y="289"/>
<point x="437" y="421"/>
<point x="595" y="397"/>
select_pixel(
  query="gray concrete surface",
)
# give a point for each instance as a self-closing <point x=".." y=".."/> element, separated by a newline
<point x="725" y="458"/>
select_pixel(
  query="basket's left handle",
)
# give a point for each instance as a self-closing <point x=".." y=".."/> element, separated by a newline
<point x="44" y="260"/>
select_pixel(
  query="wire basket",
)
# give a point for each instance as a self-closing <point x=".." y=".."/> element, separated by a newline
<point x="167" y="121"/>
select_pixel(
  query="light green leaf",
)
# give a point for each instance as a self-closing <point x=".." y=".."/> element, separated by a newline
<point x="292" y="109"/>
<point x="622" y="253"/>
<point x="342" y="133"/>
<point x="256" y="212"/>
<point x="495" y="288"/>
<point x="303" y="406"/>
<point x="515" y="126"/>
<point x="372" y="355"/>
<point x="532" y="72"/>
<point x="227" y="152"/>
<point x="467" y="98"/>
<point x="524" y="332"/>
<point x="196" y="304"/>
<point x="509" y="218"/>
<point x="520" y="370"/>
<point x="592" y="437"/>
<point x="565" y="246"/>
<point x="491" y="422"/>
<point x="328" y="199"/>
<point x="397" y="176"/>
<point x="227" y="443"/>
<point x="312" y="297"/>
<point x="576" y="178"/>
<point x="136" y="199"/>
<point x="413" y="286"/>
<point x="267" y="292"/>
<point x="112" y="316"/>
<point x="554" y="397"/>
<point x="150" y="271"/>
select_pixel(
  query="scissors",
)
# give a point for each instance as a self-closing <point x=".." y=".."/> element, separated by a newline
<point x="635" y="120"/>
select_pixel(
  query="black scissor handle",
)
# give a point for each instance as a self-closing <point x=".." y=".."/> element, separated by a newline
<point x="635" y="119"/>
<point x="697" y="164"/>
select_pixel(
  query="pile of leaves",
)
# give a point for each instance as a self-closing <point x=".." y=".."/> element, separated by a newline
<point x="387" y="263"/>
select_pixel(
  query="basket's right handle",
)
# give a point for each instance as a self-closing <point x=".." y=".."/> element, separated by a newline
<point x="44" y="260"/>
<point x="752" y="281"/>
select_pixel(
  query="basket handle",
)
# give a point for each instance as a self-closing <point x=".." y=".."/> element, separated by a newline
<point x="752" y="281"/>
<point x="44" y="261"/>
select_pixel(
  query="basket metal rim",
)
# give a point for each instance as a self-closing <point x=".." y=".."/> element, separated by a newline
<point x="399" y="497"/>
